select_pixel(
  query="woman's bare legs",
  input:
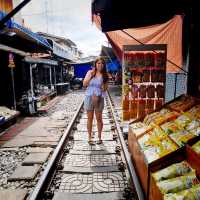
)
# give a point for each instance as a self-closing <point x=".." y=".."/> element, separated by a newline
<point x="99" y="123"/>
<point x="90" y="115"/>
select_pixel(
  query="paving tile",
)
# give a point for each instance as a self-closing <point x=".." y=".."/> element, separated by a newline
<point x="24" y="173"/>
<point x="84" y="146"/>
<point x="84" y="136"/>
<point x="10" y="149"/>
<point x="18" y="142"/>
<point x="35" y="158"/>
<point x="91" y="152"/>
<point x="18" y="194"/>
<point x="90" y="160"/>
<point x="108" y="182"/>
<point x="93" y="183"/>
<point x="57" y="124"/>
<point x="84" y="128"/>
<point x="76" y="183"/>
<point x="44" y="144"/>
<point x="104" y="196"/>
<point x="90" y="169"/>
<point x="104" y="116"/>
<point x="39" y="150"/>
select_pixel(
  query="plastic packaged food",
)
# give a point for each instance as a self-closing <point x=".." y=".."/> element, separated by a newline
<point x="139" y="128"/>
<point x="189" y="194"/>
<point x="177" y="184"/>
<point x="181" y="137"/>
<point x="155" y="146"/>
<point x="194" y="112"/>
<point x="174" y="170"/>
<point x="151" y="91"/>
<point x="196" y="147"/>
<point x="142" y="91"/>
<point x="170" y="127"/>
<point x="183" y="104"/>
<point x="182" y="121"/>
<point x="160" y="117"/>
<point x="160" y="91"/>
<point x="193" y="124"/>
<point x="196" y="131"/>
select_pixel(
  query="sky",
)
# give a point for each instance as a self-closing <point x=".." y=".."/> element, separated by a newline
<point x="66" y="18"/>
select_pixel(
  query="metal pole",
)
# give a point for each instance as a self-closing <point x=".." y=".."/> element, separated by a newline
<point x="12" y="13"/>
<point x="50" y="77"/>
<point x="175" y="85"/>
<point x="31" y="80"/>
<point x="13" y="88"/>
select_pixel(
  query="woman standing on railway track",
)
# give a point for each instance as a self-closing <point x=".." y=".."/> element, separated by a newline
<point x="96" y="81"/>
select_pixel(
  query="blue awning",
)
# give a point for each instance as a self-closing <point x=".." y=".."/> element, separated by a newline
<point x="23" y="32"/>
<point x="113" y="66"/>
<point x="8" y="23"/>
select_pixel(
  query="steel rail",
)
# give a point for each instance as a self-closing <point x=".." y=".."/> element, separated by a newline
<point x="37" y="192"/>
<point x="130" y="166"/>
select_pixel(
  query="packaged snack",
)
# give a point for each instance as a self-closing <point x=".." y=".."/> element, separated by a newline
<point x="196" y="147"/>
<point x="182" y="121"/>
<point x="177" y="184"/>
<point x="182" y="104"/>
<point x="150" y="105"/>
<point x="158" y="132"/>
<point x="160" y="91"/>
<point x="189" y="194"/>
<point x="196" y="131"/>
<point x="141" y="107"/>
<point x="146" y="76"/>
<point x="174" y="170"/>
<point x="194" y="112"/>
<point x="155" y="145"/>
<point x="134" y="91"/>
<point x="149" y="59"/>
<point x="154" y="76"/>
<point x="193" y="124"/>
<point x="151" y="91"/>
<point x="181" y="137"/>
<point x="170" y="127"/>
<point x="142" y="91"/>
<point x="159" y="103"/>
<point x="139" y="128"/>
<point x="160" y="117"/>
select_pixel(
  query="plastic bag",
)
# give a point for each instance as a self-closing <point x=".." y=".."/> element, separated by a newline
<point x="177" y="184"/>
<point x="174" y="170"/>
<point x="189" y="194"/>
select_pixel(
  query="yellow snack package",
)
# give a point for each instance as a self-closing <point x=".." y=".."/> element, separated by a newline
<point x="174" y="170"/>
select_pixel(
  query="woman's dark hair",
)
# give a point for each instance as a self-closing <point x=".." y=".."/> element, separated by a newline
<point x="104" y="71"/>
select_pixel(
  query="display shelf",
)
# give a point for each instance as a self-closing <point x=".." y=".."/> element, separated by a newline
<point x="188" y="155"/>
<point x="144" y="75"/>
<point x="144" y="168"/>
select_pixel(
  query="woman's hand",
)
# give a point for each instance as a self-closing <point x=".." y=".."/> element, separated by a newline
<point x="92" y="72"/>
<point x="88" y="77"/>
<point x="104" y="87"/>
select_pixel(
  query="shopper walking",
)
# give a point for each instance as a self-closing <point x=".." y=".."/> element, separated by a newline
<point x="96" y="81"/>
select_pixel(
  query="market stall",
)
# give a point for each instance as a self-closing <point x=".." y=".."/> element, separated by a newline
<point x="7" y="117"/>
<point x="164" y="147"/>
<point x="144" y="74"/>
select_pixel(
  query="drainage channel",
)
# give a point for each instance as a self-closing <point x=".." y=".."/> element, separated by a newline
<point x="78" y="170"/>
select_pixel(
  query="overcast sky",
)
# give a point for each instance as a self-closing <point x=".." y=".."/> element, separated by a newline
<point x="67" y="18"/>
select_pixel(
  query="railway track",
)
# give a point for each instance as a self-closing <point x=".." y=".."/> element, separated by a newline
<point x="78" y="170"/>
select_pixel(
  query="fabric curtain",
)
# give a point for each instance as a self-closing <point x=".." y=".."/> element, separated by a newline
<point x="169" y="33"/>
